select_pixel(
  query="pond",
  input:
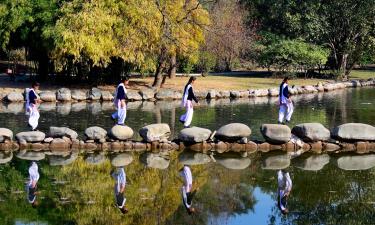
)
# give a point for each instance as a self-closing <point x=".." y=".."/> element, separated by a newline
<point x="230" y="190"/>
<point x="78" y="189"/>
<point x="328" y="108"/>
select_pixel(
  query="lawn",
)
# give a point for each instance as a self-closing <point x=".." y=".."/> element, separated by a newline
<point x="362" y="74"/>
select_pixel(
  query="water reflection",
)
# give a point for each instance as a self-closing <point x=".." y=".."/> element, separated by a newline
<point x="81" y="192"/>
<point x="155" y="160"/>
<point x="356" y="162"/>
<point x="119" y="189"/>
<point x="30" y="155"/>
<point x="284" y="187"/>
<point x="233" y="161"/>
<point x="187" y="192"/>
<point x="32" y="185"/>
<point x="5" y="157"/>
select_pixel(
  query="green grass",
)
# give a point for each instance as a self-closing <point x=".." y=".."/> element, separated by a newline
<point x="362" y="74"/>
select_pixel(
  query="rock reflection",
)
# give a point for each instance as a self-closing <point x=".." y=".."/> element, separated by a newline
<point x="276" y="161"/>
<point x="356" y="162"/>
<point x="122" y="159"/>
<point x="312" y="162"/>
<point x="6" y="157"/>
<point x="155" y="160"/>
<point x="95" y="159"/>
<point x="60" y="160"/>
<point x="193" y="158"/>
<point x="30" y="155"/>
<point x="233" y="161"/>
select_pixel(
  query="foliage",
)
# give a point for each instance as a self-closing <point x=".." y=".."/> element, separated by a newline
<point x="292" y="55"/>
<point x="206" y="62"/>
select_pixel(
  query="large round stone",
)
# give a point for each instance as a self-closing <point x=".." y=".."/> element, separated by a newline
<point x="79" y="95"/>
<point x="63" y="94"/>
<point x="276" y="133"/>
<point x="59" y="145"/>
<point x="312" y="163"/>
<point x="14" y="97"/>
<point x="5" y="134"/>
<point x="5" y="157"/>
<point x="122" y="159"/>
<point x="354" y="132"/>
<point x="147" y="94"/>
<point x="134" y="96"/>
<point x="95" y="159"/>
<point x="165" y="94"/>
<point x="95" y="133"/>
<point x="233" y="163"/>
<point x="276" y="162"/>
<point x="95" y="94"/>
<point x="233" y="131"/>
<point x="154" y="160"/>
<point x="48" y="96"/>
<point x="311" y="132"/>
<point x="59" y="132"/>
<point x="155" y="132"/>
<point x="31" y="156"/>
<point x="194" y="134"/>
<point x="193" y="158"/>
<point x="30" y="136"/>
<point x="357" y="162"/>
<point x="121" y="132"/>
<point x="59" y="160"/>
<point x="107" y="96"/>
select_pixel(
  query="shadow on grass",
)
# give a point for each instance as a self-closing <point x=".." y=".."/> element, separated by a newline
<point x="253" y="74"/>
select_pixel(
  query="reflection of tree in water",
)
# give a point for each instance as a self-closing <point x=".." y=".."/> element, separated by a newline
<point x="329" y="196"/>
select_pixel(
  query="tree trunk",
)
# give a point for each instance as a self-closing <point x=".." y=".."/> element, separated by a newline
<point x="342" y="66"/>
<point x="43" y="62"/>
<point x="172" y="67"/>
<point x="158" y="75"/>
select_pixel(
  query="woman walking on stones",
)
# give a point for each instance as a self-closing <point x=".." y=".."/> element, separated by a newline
<point x="286" y="104"/>
<point x="119" y="101"/>
<point x="32" y="101"/>
<point x="187" y="102"/>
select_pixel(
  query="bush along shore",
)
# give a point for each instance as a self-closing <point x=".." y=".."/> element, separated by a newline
<point x="95" y="94"/>
<point x="357" y="138"/>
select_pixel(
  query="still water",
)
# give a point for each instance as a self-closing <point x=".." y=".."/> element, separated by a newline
<point x="78" y="189"/>
<point x="330" y="109"/>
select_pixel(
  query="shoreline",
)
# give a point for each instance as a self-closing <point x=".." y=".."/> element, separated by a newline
<point x="97" y="95"/>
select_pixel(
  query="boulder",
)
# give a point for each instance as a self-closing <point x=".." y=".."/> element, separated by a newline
<point x="235" y="94"/>
<point x="5" y="134"/>
<point x="201" y="94"/>
<point x="194" y="134"/>
<point x="147" y="94"/>
<point x="107" y="96"/>
<point x="155" y="132"/>
<point x="260" y="92"/>
<point x="60" y="160"/>
<point x="59" y="132"/>
<point x="30" y="136"/>
<point x="121" y="132"/>
<point x="30" y="155"/>
<point x="133" y="96"/>
<point x="14" y="97"/>
<point x="47" y="96"/>
<point x="225" y="94"/>
<point x="211" y="94"/>
<point x="273" y="92"/>
<point x="233" y="132"/>
<point x="309" y="89"/>
<point x="63" y="94"/>
<point x="95" y="133"/>
<point x="193" y="158"/>
<point x="122" y="159"/>
<point x="165" y="94"/>
<point x="59" y="145"/>
<point x="357" y="162"/>
<point x="311" y="132"/>
<point x="95" y="94"/>
<point x="79" y="95"/>
<point x="276" y="162"/>
<point x="276" y="133"/>
<point x="5" y="157"/>
<point x="354" y="132"/>
<point x="155" y="160"/>
<point x="95" y="159"/>
<point x="233" y="162"/>
<point x="312" y="163"/>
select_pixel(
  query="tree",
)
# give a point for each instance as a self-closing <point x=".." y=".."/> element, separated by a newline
<point x="345" y="26"/>
<point x="229" y="38"/>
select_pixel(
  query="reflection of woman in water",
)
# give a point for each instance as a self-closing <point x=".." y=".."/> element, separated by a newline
<point x="119" y="189"/>
<point x="284" y="188"/>
<point x="32" y="185"/>
<point x="186" y="190"/>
